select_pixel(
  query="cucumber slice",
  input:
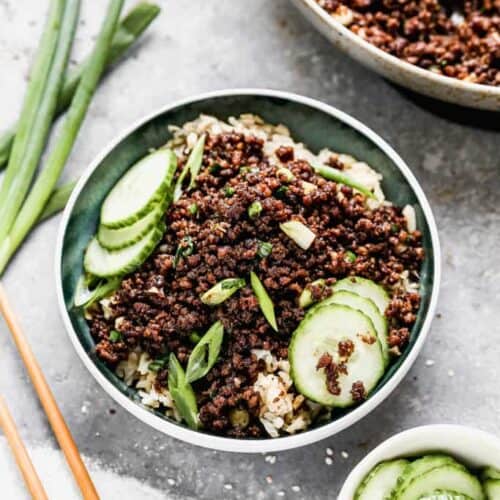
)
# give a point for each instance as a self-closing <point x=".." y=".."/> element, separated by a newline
<point x="492" y="489"/>
<point x="140" y="188"/>
<point x="452" y="477"/>
<point x="105" y="263"/>
<point x="320" y="333"/>
<point x="368" y="307"/>
<point x="380" y="482"/>
<point x="366" y="288"/>
<point x="116" y="239"/>
<point x="421" y="466"/>
<point x="490" y="473"/>
<point x="445" y="495"/>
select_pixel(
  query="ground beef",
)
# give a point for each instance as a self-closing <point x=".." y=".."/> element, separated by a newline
<point x="460" y="39"/>
<point x="157" y="308"/>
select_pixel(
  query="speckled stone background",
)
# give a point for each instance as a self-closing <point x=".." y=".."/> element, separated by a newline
<point x="196" y="46"/>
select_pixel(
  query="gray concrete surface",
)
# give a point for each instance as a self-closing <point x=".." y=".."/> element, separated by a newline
<point x="204" y="45"/>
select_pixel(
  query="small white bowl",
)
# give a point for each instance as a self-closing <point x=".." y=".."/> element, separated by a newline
<point x="473" y="447"/>
<point x="408" y="75"/>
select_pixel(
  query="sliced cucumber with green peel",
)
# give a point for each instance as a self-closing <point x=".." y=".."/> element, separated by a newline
<point x="366" y="288"/>
<point x="116" y="239"/>
<point x="320" y="333"/>
<point x="445" y="495"/>
<point x="452" y="477"/>
<point x="380" y="482"/>
<point x="139" y="189"/>
<point x="366" y="306"/>
<point x="492" y="489"/>
<point x="421" y="466"/>
<point x="105" y="263"/>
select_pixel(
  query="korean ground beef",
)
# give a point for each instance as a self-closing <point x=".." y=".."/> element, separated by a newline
<point x="158" y="307"/>
<point x="459" y="39"/>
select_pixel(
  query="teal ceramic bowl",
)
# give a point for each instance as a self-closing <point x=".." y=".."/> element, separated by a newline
<point x="314" y="123"/>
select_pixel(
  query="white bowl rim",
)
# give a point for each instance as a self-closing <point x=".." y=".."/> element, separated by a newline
<point x="395" y="446"/>
<point x="263" y="445"/>
<point x="474" y="89"/>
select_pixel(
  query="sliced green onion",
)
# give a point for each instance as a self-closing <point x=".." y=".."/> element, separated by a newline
<point x="334" y="174"/>
<point x="182" y="393"/>
<point x="193" y="209"/>
<point x="222" y="291"/>
<point x="185" y="249"/>
<point x="254" y="209"/>
<point x="178" y="185"/>
<point x="86" y="295"/>
<point x="265" y="249"/>
<point x="129" y="30"/>
<point x="229" y="191"/>
<point x="158" y="364"/>
<point x="281" y="190"/>
<point x="205" y="354"/>
<point x="350" y="256"/>
<point x="265" y="302"/>
<point x="115" y="336"/>
<point x="41" y="190"/>
<point x="287" y="174"/>
<point x="195" y="161"/>
<point x="306" y="297"/>
<point x="194" y="337"/>
<point x="215" y="169"/>
<point x="299" y="233"/>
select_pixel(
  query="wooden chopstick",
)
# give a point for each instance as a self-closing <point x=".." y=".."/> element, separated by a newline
<point x="23" y="460"/>
<point x="54" y="415"/>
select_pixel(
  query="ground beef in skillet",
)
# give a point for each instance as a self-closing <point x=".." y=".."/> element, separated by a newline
<point x="158" y="306"/>
<point x="460" y="39"/>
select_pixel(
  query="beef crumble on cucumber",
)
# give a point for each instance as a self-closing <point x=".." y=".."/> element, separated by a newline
<point x="307" y="276"/>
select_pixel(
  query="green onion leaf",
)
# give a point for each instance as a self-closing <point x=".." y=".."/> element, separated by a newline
<point x="194" y="337"/>
<point x="265" y="302"/>
<point x="334" y="174"/>
<point x="222" y="291"/>
<point x="193" y="209"/>
<point x="265" y="249"/>
<point x="115" y="336"/>
<point x="182" y="393"/>
<point x="229" y="191"/>
<point x="185" y="249"/>
<point x="281" y="191"/>
<point x="254" y="209"/>
<point x="205" y="354"/>
<point x="88" y="291"/>
<point x="350" y="256"/>
<point x="215" y="168"/>
<point x="195" y="161"/>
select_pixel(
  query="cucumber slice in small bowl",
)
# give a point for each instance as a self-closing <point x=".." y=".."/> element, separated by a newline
<point x="366" y="288"/>
<point x="445" y="495"/>
<point x="492" y="489"/>
<point x="380" y="482"/>
<point x="139" y="189"/>
<point x="116" y="239"/>
<point x="366" y="306"/>
<point x="106" y="263"/>
<point x="320" y="333"/>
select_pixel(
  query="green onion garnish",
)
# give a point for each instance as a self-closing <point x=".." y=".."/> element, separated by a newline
<point x="193" y="209"/>
<point x="350" y="256"/>
<point x="222" y="291"/>
<point x="115" y="336"/>
<point x="229" y="191"/>
<point x="185" y="249"/>
<point x="265" y="249"/>
<point x="254" y="209"/>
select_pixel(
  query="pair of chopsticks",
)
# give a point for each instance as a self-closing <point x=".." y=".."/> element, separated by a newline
<point x="54" y="416"/>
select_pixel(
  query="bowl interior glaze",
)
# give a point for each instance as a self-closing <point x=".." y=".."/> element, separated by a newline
<point x="308" y="123"/>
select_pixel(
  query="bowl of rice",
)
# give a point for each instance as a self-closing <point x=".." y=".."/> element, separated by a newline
<point x="248" y="270"/>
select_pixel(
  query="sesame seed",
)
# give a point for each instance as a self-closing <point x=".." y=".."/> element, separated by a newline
<point x="296" y="488"/>
<point x="281" y="493"/>
<point x="228" y="486"/>
<point x="451" y="373"/>
<point x="270" y="459"/>
<point x="345" y="454"/>
<point x="171" y="482"/>
<point x="328" y="461"/>
<point x="329" y="452"/>
<point x="429" y="362"/>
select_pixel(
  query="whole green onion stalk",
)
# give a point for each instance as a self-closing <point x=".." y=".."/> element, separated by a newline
<point x="44" y="185"/>
<point x="41" y="97"/>
<point x="129" y="30"/>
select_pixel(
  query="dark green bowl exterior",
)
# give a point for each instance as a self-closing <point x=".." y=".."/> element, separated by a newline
<point x="313" y="127"/>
